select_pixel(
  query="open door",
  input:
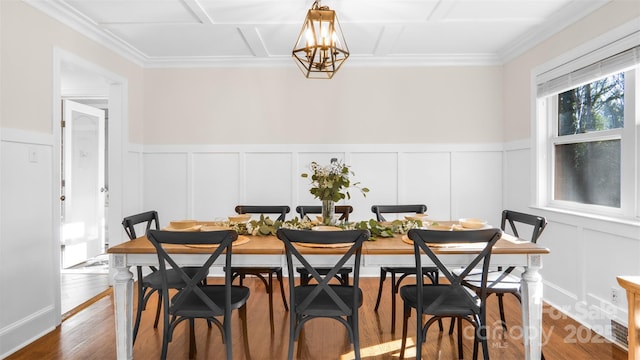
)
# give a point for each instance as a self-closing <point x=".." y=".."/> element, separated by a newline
<point x="83" y="192"/>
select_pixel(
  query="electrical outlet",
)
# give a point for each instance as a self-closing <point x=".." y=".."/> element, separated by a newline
<point x="614" y="295"/>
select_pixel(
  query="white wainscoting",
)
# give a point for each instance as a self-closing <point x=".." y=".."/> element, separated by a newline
<point x="586" y="253"/>
<point x="207" y="182"/>
<point x="26" y="241"/>
<point x="132" y="184"/>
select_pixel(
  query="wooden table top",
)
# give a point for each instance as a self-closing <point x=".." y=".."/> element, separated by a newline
<point x="271" y="245"/>
<point x="630" y="283"/>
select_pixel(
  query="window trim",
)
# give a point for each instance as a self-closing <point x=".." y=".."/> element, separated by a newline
<point x="544" y="126"/>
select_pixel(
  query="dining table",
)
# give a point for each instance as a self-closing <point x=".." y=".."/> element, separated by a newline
<point x="258" y="250"/>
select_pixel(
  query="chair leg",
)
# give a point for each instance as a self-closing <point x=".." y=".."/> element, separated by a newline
<point x="405" y="318"/>
<point x="292" y="333"/>
<point x="270" y="292"/>
<point x="356" y="335"/>
<point x="227" y="334"/>
<point x="383" y="275"/>
<point x="460" y="350"/>
<point x="452" y="325"/>
<point x="155" y="323"/>
<point x="245" y="335"/>
<point x="166" y="329"/>
<point x="481" y="334"/>
<point x="345" y="279"/>
<point x="284" y="298"/>
<point x="475" y="347"/>
<point x="501" y="308"/>
<point x="420" y="338"/>
<point x="192" y="339"/>
<point x="304" y="279"/>
<point x="394" y="291"/>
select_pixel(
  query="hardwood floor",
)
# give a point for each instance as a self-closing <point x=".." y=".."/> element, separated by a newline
<point x="90" y="334"/>
<point x="81" y="283"/>
<point x="77" y="288"/>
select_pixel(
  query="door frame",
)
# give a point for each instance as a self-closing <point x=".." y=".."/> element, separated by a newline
<point x="117" y="135"/>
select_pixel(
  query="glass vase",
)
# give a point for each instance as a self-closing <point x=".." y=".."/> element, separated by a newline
<point x="328" y="212"/>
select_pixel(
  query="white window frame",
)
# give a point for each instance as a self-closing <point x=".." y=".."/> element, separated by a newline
<point x="545" y="126"/>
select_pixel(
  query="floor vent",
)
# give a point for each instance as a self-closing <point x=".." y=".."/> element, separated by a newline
<point x="619" y="333"/>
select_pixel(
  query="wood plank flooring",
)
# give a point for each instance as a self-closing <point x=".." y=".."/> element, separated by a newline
<point x="76" y="288"/>
<point x="90" y="335"/>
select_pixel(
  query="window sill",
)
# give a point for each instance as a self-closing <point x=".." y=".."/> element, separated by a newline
<point x="627" y="227"/>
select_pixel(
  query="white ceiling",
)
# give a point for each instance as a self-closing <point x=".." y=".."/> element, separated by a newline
<point x="259" y="32"/>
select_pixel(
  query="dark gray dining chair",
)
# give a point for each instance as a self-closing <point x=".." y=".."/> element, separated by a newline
<point x="196" y="300"/>
<point x="344" y="210"/>
<point x="431" y="272"/>
<point x="151" y="283"/>
<point x="264" y="273"/>
<point x="502" y="281"/>
<point x="322" y="299"/>
<point x="452" y="300"/>
<point x="280" y="210"/>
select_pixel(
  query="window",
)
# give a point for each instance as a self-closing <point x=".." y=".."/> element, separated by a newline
<point x="587" y="157"/>
<point x="586" y="122"/>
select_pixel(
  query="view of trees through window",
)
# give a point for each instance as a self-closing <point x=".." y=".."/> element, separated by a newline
<point x="587" y="171"/>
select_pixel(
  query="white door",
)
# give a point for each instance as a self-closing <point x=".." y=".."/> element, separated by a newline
<point x="83" y="183"/>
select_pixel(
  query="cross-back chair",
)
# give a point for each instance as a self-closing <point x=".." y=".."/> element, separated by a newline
<point x="322" y="299"/>
<point x="196" y="300"/>
<point x="452" y="300"/>
<point x="151" y="283"/>
<point x="431" y="272"/>
<point x="344" y="210"/>
<point x="265" y="274"/>
<point x="502" y="281"/>
<point x="280" y="210"/>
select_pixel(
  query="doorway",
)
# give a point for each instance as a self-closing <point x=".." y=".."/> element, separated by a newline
<point x="84" y="188"/>
<point x="84" y="201"/>
<point x="88" y="201"/>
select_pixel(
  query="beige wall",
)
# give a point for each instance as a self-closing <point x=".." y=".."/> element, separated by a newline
<point x="359" y="105"/>
<point x="517" y="73"/>
<point x="277" y="105"/>
<point x="28" y="40"/>
<point x="260" y="105"/>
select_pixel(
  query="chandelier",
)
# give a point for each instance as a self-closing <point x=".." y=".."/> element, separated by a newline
<point x="320" y="48"/>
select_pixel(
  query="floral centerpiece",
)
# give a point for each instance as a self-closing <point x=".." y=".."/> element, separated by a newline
<point x="331" y="184"/>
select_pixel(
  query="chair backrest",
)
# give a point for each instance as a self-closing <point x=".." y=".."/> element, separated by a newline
<point x="428" y="240"/>
<point x="220" y="242"/>
<point x="343" y="210"/>
<point x="149" y="218"/>
<point x="536" y="223"/>
<point x="282" y="210"/>
<point x="397" y="209"/>
<point x="352" y="252"/>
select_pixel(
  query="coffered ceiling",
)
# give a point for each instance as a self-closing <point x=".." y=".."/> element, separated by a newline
<point x="157" y="33"/>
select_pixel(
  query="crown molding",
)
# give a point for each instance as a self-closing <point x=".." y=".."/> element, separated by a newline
<point x="560" y="20"/>
<point x="67" y="16"/>
<point x="60" y="11"/>
<point x="353" y="60"/>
